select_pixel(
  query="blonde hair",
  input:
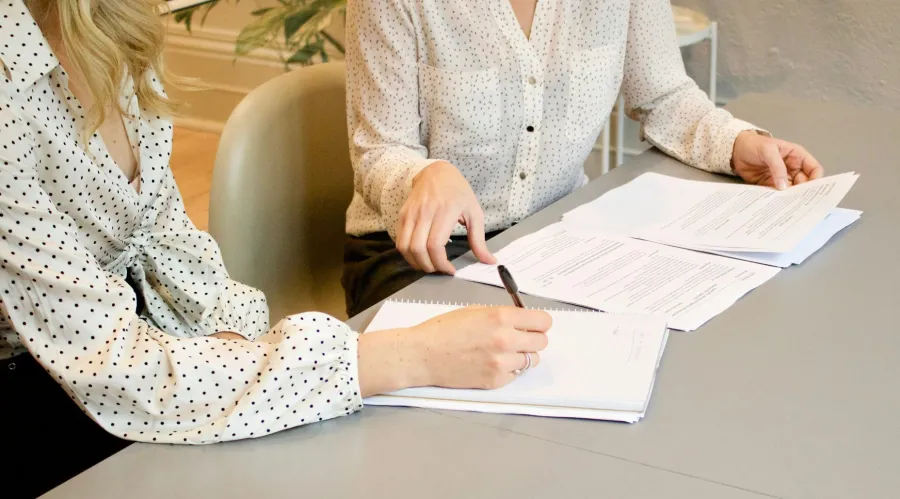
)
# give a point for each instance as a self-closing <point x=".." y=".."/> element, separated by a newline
<point x="106" y="38"/>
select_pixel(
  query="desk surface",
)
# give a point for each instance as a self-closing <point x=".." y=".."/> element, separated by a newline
<point x="791" y="393"/>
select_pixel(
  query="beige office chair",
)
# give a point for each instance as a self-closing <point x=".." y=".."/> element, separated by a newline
<point x="281" y="185"/>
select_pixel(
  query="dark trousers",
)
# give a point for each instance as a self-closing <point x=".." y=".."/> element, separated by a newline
<point x="46" y="439"/>
<point x="374" y="269"/>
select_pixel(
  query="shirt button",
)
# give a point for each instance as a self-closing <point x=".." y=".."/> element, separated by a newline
<point x="532" y="80"/>
<point x="522" y="175"/>
<point x="530" y="128"/>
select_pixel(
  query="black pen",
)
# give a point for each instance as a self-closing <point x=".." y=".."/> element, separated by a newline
<point x="510" y="284"/>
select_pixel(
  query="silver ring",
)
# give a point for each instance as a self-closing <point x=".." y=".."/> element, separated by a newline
<point x="527" y="365"/>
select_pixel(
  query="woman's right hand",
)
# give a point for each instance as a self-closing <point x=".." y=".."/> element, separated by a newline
<point x="440" y="198"/>
<point x="472" y="347"/>
<point x="478" y="347"/>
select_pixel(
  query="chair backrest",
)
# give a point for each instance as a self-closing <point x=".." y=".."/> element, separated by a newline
<point x="281" y="186"/>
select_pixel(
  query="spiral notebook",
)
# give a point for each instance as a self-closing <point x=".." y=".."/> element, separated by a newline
<point x="596" y="366"/>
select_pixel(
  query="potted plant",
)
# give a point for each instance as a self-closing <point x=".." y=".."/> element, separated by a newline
<point x="297" y="28"/>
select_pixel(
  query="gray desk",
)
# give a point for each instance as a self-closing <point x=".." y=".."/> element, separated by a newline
<point x="792" y="392"/>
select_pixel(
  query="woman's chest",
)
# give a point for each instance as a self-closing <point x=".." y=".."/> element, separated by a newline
<point x="484" y="83"/>
<point x="468" y="35"/>
<point x="84" y="181"/>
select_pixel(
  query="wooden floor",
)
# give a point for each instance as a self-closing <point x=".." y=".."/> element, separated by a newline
<point x="193" y="156"/>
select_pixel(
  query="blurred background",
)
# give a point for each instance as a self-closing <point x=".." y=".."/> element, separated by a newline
<point x="840" y="50"/>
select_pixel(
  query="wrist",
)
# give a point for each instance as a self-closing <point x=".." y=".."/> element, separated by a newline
<point x="432" y="169"/>
<point x="741" y="136"/>
<point x="411" y="357"/>
<point x="390" y="360"/>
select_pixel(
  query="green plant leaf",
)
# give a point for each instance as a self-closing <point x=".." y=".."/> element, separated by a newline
<point x="302" y="56"/>
<point x="336" y="44"/>
<point x="311" y="28"/>
<point x="208" y="8"/>
<point x="306" y="53"/>
<point x="293" y="22"/>
<point x="185" y="17"/>
<point x="260" y="32"/>
<point x="302" y="22"/>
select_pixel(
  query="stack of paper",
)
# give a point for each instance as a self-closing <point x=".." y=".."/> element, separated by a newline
<point x="596" y="366"/>
<point x="619" y="274"/>
<point x="749" y="222"/>
<point x="836" y="221"/>
<point x="684" y="249"/>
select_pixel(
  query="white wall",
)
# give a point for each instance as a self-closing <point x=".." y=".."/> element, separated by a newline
<point x="838" y="50"/>
<point x="842" y="50"/>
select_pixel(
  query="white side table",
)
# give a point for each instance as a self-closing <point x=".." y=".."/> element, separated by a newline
<point x="691" y="27"/>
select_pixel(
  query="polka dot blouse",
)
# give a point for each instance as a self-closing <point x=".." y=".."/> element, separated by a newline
<point x="457" y="80"/>
<point x="77" y="240"/>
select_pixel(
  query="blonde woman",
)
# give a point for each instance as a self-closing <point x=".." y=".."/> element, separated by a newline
<point x="120" y="322"/>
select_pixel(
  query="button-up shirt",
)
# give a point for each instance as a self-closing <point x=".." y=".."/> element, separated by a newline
<point x="458" y="80"/>
<point x="73" y="229"/>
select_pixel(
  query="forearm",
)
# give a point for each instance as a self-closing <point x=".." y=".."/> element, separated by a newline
<point x="389" y="361"/>
<point x="688" y="127"/>
<point x="675" y="115"/>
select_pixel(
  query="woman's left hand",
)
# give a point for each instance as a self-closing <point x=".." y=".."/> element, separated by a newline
<point x="777" y="163"/>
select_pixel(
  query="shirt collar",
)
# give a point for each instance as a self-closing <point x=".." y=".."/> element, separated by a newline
<point x="23" y="49"/>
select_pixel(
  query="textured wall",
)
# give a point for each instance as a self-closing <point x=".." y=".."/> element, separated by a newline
<point x="844" y="50"/>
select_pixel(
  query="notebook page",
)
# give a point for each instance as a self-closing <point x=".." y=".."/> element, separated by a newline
<point x="522" y="409"/>
<point x="593" y="360"/>
<point x="494" y="408"/>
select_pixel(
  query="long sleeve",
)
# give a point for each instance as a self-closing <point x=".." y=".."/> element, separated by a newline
<point x="675" y="114"/>
<point x="383" y="105"/>
<point x="78" y="320"/>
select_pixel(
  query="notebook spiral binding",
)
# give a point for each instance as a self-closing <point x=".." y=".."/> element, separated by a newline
<point x="463" y="304"/>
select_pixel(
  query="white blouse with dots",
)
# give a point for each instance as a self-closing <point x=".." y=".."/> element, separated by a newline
<point x="73" y="229"/>
<point x="458" y="80"/>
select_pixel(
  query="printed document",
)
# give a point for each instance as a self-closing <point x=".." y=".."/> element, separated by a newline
<point x="614" y="273"/>
<point x="714" y="216"/>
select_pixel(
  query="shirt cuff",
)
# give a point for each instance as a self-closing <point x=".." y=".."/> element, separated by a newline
<point x="729" y="136"/>
<point x="352" y="368"/>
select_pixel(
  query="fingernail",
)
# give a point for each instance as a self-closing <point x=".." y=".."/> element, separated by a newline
<point x="781" y="184"/>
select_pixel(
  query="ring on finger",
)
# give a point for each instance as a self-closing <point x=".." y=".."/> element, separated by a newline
<point x="527" y="365"/>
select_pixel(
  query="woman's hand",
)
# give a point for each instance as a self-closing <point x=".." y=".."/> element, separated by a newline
<point x="473" y="347"/>
<point x="440" y="198"/>
<point x="776" y="163"/>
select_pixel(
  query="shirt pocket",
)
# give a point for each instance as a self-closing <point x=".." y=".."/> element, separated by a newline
<point x="595" y="76"/>
<point x="463" y="110"/>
